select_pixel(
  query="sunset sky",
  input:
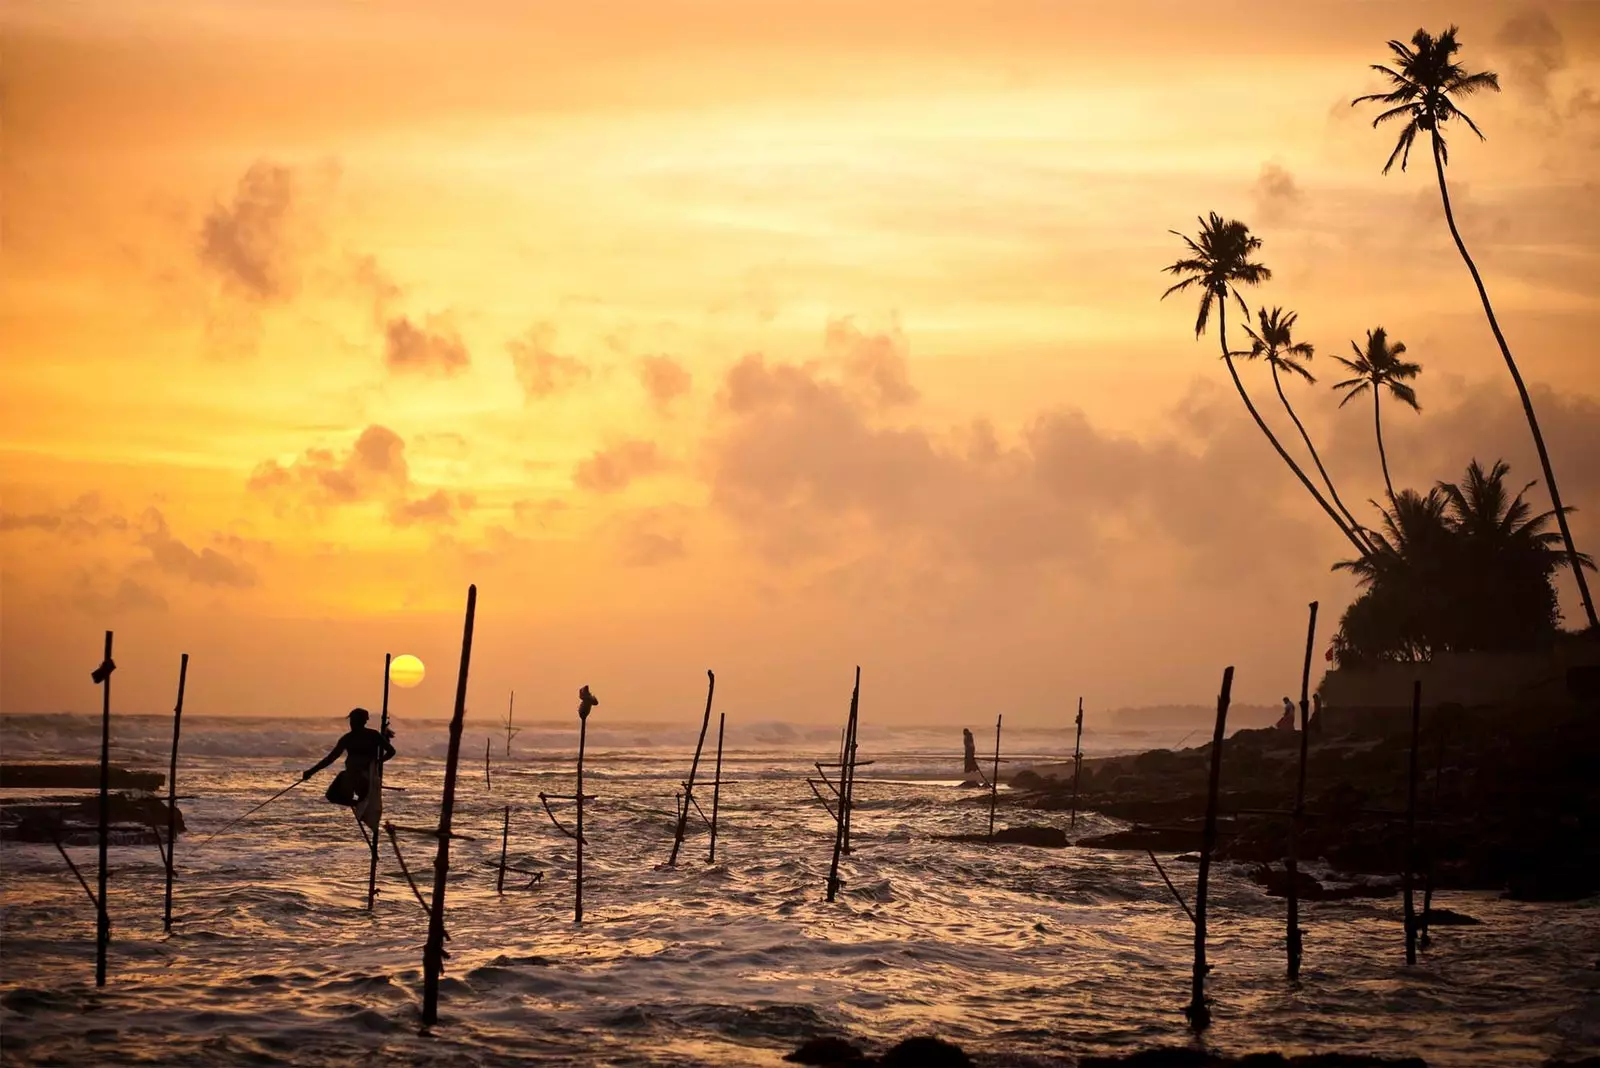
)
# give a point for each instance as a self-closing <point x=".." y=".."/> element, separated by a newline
<point x="770" y="336"/>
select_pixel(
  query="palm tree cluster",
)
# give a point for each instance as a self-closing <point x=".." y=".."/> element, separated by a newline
<point x="1425" y="79"/>
<point x="1465" y="566"/>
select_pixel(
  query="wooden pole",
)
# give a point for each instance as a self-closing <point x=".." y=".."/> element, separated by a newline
<point x="1294" y="943"/>
<point x="1199" y="1012"/>
<point x="511" y="732"/>
<point x="488" y="782"/>
<point x="505" y="839"/>
<point x="716" y="788"/>
<point x="843" y="802"/>
<point x="377" y="784"/>
<point x="1433" y="841"/>
<point x="172" y="792"/>
<point x="1411" y="822"/>
<point x="688" y="787"/>
<point x="433" y="955"/>
<point x="848" y="772"/>
<point x="1077" y="766"/>
<point x="102" y="675"/>
<point x="586" y="701"/>
<point x="994" y="777"/>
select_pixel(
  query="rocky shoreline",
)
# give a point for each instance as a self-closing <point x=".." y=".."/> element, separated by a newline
<point x="1507" y="799"/>
<point x="135" y="817"/>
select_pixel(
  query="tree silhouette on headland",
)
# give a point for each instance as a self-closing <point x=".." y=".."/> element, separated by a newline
<point x="1275" y="344"/>
<point x="1378" y="368"/>
<point x="1219" y="264"/>
<point x="1426" y="79"/>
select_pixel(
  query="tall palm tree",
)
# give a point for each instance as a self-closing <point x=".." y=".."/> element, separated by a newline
<point x="1275" y="344"/>
<point x="1219" y="264"/>
<point x="1379" y="368"/>
<point x="1422" y="86"/>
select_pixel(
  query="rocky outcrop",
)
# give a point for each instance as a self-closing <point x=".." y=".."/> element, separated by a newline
<point x="75" y="777"/>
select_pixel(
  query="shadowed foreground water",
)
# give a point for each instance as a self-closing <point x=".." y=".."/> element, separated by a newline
<point x="1020" y="955"/>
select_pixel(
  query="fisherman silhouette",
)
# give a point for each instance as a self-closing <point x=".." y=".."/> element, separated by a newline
<point x="363" y="748"/>
<point x="971" y="764"/>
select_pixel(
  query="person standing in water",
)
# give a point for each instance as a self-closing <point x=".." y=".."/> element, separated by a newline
<point x="363" y="749"/>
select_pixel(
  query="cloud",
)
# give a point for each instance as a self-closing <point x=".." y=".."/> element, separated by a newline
<point x="440" y="507"/>
<point x="432" y="350"/>
<point x="375" y="466"/>
<point x="876" y="360"/>
<point x="128" y="596"/>
<point x="650" y="539"/>
<point x="612" y="468"/>
<point x="246" y="241"/>
<point x="1275" y="194"/>
<point x="207" y="567"/>
<point x="664" y="379"/>
<point x="1536" y="50"/>
<point x="84" y="518"/>
<point x="541" y="372"/>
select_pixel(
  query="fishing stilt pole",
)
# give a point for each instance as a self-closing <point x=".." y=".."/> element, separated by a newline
<point x="1293" y="862"/>
<point x="994" y="778"/>
<point x="488" y="783"/>
<point x="102" y="676"/>
<point x="716" y="788"/>
<point x="1411" y="822"/>
<point x="842" y="803"/>
<point x="377" y="784"/>
<point x="511" y="732"/>
<point x="1077" y="766"/>
<point x="1198" y="1011"/>
<point x="172" y="793"/>
<point x="586" y="704"/>
<point x="1433" y="842"/>
<point x="505" y="840"/>
<point x="688" y="787"/>
<point x="433" y="955"/>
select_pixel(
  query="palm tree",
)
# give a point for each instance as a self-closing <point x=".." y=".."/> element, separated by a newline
<point x="1377" y="368"/>
<point x="1422" y="87"/>
<point x="1276" y="345"/>
<point x="1219" y="264"/>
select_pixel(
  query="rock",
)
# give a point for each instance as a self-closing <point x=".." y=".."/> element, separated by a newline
<point x="1447" y="918"/>
<point x="828" y="1050"/>
<point x="926" y="1053"/>
<point x="1043" y="837"/>
<point x="134" y="820"/>
<point x="1188" y="1057"/>
<point x="1162" y="839"/>
<point x="1276" y="881"/>
<point x="75" y="777"/>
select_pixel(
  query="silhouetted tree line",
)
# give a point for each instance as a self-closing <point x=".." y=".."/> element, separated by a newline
<point x="1465" y="565"/>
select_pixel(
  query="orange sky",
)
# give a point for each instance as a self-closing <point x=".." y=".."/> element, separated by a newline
<point x="759" y="335"/>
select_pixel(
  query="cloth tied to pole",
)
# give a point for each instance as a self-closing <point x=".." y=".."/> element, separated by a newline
<point x="103" y="672"/>
<point x="586" y="702"/>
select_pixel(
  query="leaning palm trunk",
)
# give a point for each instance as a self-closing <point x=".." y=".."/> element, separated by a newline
<point x="1227" y="357"/>
<point x="1316" y="459"/>
<point x="1573" y="557"/>
<point x="1383" y="457"/>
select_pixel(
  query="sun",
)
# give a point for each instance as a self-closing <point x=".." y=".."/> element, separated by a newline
<point x="406" y="671"/>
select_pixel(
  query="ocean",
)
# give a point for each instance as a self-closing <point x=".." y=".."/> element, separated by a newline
<point x="1020" y="955"/>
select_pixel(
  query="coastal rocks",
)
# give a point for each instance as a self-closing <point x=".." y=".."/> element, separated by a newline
<point x="1042" y="837"/>
<point x="1449" y="918"/>
<point x="922" y="1051"/>
<point x="1276" y="882"/>
<point x="75" y="777"/>
<point x="75" y="821"/>
<point x="1188" y="1057"/>
<point x="828" y="1050"/>
<point x="1155" y="839"/>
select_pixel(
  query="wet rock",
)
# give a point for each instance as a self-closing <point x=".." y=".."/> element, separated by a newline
<point x="75" y="777"/>
<point x="1044" y="837"/>
<point x="75" y="821"/>
<point x="1448" y="918"/>
<point x="1276" y="881"/>
<point x="1188" y="1057"/>
<point x="828" y="1050"/>
<point x="926" y="1052"/>
<point x="1158" y="839"/>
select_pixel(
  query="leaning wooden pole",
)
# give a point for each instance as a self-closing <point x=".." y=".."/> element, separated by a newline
<point x="842" y="803"/>
<point x="994" y="777"/>
<point x="377" y="784"/>
<point x="102" y="939"/>
<point x="586" y="702"/>
<point x="433" y="955"/>
<point x="488" y="781"/>
<point x="1077" y="766"/>
<point x="1411" y="822"/>
<point x="694" y="768"/>
<point x="716" y="788"/>
<point x="1293" y="862"/>
<point x="1199" y="1012"/>
<point x="847" y="774"/>
<point x="172" y="793"/>
<point x="505" y="840"/>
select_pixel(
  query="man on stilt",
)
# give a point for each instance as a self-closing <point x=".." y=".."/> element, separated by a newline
<point x="364" y="749"/>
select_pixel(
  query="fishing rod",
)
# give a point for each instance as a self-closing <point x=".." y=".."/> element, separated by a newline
<point x="252" y="812"/>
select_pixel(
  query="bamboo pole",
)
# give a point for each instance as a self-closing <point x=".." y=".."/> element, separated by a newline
<point x="172" y="792"/>
<point x="1199" y="1012"/>
<point x="994" y="777"/>
<point x="847" y="774"/>
<point x="1433" y="842"/>
<point x="1411" y="822"/>
<point x="1077" y="766"/>
<point x="586" y="702"/>
<point x="433" y="954"/>
<point x="716" y="788"/>
<point x="688" y="787"/>
<point x="488" y="781"/>
<point x="842" y="804"/>
<point x="505" y="840"/>
<point x="102" y="675"/>
<point x="1294" y="942"/>
<point x="377" y="784"/>
<point x="511" y="732"/>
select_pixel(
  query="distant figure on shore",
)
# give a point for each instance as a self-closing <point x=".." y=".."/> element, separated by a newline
<point x="1286" y="721"/>
<point x="363" y="748"/>
<point x="971" y="760"/>
<point x="1315" y="725"/>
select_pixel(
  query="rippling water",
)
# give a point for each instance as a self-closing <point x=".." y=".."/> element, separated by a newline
<point x="1020" y="955"/>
